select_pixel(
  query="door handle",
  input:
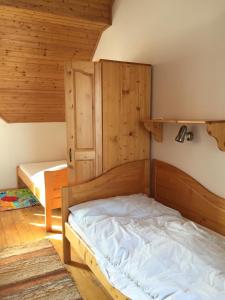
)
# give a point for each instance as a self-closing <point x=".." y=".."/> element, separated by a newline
<point x="70" y="155"/>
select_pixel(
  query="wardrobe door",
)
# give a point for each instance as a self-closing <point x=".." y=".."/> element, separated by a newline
<point x="84" y="119"/>
<point x="126" y="101"/>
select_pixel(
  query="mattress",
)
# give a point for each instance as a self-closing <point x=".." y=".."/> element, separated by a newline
<point x="35" y="172"/>
<point x="149" y="251"/>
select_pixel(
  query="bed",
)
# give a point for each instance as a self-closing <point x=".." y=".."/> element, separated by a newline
<point x="186" y="260"/>
<point x="45" y="180"/>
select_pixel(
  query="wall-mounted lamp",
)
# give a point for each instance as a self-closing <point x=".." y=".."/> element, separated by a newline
<point x="184" y="133"/>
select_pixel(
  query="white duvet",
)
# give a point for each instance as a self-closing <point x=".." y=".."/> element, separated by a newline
<point x="148" y="251"/>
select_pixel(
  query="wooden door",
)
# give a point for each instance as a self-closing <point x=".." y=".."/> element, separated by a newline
<point x="126" y="93"/>
<point x="84" y="121"/>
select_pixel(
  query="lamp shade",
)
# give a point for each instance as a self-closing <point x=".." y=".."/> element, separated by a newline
<point x="181" y="134"/>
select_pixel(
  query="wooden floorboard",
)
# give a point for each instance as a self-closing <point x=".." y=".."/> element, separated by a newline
<point x="25" y="225"/>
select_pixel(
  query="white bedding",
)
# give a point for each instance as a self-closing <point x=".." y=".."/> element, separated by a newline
<point x="35" y="172"/>
<point x="149" y="251"/>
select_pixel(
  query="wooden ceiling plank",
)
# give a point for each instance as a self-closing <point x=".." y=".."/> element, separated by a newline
<point x="90" y="11"/>
<point x="45" y="53"/>
<point x="9" y="100"/>
<point x="46" y="48"/>
<point x="30" y="26"/>
<point x="51" y="45"/>
<point x="41" y="19"/>
<point x="14" y="75"/>
<point x="31" y="84"/>
<point x="36" y="38"/>
<point x="34" y="119"/>
<point x="30" y="68"/>
<point x="44" y="107"/>
<point x="87" y="10"/>
<point x="32" y="93"/>
<point x="21" y="59"/>
<point x="83" y="41"/>
<point x="32" y="110"/>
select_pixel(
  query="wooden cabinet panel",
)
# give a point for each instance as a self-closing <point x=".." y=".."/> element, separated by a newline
<point x="84" y="110"/>
<point x="111" y="90"/>
<point x="126" y="101"/>
<point x="83" y="151"/>
<point x="84" y="170"/>
<point x="105" y="103"/>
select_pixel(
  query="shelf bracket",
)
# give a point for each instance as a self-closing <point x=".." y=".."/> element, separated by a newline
<point x="215" y="128"/>
<point x="217" y="131"/>
<point x="156" y="130"/>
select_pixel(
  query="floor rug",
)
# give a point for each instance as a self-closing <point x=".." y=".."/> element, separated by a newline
<point x="34" y="271"/>
<point x="18" y="198"/>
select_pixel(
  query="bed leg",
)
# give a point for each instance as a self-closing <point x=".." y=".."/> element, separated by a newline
<point x="65" y="213"/>
<point x="20" y="183"/>
<point x="66" y="251"/>
<point x="48" y="219"/>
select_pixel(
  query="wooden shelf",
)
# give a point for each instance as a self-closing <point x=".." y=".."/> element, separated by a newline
<point x="215" y="128"/>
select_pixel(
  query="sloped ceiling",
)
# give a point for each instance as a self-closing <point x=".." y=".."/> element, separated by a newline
<point x="36" y="38"/>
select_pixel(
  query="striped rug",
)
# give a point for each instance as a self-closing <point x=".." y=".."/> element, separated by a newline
<point x="34" y="271"/>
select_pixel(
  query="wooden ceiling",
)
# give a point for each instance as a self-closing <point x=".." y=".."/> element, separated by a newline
<point x="36" y="38"/>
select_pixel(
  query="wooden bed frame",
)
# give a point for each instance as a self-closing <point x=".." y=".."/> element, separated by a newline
<point x="174" y="188"/>
<point x="169" y="186"/>
<point x="54" y="181"/>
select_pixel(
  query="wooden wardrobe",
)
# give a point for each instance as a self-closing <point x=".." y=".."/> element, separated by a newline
<point x="105" y="102"/>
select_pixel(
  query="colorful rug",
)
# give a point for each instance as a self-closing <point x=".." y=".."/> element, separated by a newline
<point x="19" y="198"/>
<point x="34" y="271"/>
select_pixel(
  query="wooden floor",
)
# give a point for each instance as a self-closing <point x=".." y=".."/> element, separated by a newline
<point x="24" y="225"/>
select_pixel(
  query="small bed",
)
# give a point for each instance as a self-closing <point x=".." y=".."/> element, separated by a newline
<point x="45" y="180"/>
<point x="113" y="235"/>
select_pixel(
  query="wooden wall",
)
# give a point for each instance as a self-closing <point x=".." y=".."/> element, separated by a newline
<point x="36" y="38"/>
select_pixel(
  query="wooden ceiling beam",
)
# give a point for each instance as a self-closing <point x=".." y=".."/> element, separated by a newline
<point x="64" y="12"/>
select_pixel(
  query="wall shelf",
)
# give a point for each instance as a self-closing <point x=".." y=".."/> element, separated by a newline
<point x="215" y="128"/>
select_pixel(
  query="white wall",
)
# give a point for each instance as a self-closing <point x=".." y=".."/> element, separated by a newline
<point x="185" y="41"/>
<point x="25" y="143"/>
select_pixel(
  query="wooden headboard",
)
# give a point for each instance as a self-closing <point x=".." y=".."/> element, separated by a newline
<point x="180" y="191"/>
<point x="126" y="179"/>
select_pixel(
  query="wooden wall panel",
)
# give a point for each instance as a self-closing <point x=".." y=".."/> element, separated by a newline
<point x="126" y="101"/>
<point x="111" y="92"/>
<point x="36" y="38"/>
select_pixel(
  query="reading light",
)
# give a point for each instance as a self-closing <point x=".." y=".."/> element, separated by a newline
<point x="184" y="133"/>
